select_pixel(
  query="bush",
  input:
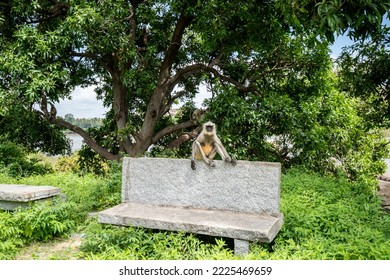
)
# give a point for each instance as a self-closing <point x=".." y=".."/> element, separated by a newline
<point x="15" y="161"/>
<point x="83" y="162"/>
<point x="31" y="130"/>
<point x="68" y="164"/>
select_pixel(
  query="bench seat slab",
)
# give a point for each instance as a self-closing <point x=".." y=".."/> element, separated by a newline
<point x="237" y="225"/>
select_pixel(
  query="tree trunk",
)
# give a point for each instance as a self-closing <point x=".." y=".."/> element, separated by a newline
<point x="121" y="113"/>
<point x="156" y="104"/>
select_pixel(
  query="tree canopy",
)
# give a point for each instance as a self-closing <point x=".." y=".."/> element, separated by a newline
<point x="364" y="72"/>
<point x="256" y="57"/>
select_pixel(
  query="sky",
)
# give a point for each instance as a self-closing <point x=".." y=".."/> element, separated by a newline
<point x="84" y="104"/>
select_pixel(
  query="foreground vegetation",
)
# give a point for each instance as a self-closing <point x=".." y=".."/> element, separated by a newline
<point x="325" y="218"/>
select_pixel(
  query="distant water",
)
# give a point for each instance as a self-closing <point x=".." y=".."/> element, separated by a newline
<point x="76" y="141"/>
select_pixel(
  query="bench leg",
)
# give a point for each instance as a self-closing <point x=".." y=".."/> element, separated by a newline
<point x="241" y="247"/>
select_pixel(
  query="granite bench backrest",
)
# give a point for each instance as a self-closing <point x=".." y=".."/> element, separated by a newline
<point x="250" y="187"/>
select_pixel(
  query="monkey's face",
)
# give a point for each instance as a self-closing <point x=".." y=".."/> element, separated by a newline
<point x="209" y="128"/>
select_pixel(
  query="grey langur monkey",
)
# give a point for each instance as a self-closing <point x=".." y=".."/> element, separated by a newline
<point x="207" y="144"/>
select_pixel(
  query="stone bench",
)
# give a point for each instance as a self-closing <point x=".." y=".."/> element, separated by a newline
<point x="13" y="196"/>
<point x="239" y="202"/>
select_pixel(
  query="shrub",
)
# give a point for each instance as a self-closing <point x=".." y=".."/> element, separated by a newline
<point x="15" y="161"/>
<point x="68" y="164"/>
<point x="83" y="162"/>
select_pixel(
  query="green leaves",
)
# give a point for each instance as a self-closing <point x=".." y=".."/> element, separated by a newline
<point x="330" y="18"/>
<point x="21" y="126"/>
<point x="41" y="222"/>
<point x="15" y="162"/>
<point x="31" y="66"/>
<point x="364" y="71"/>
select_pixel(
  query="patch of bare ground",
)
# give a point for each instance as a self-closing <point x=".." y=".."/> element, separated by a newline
<point x="58" y="249"/>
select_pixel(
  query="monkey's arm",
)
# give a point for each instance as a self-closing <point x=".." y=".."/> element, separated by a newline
<point x="220" y="148"/>
<point x="222" y="152"/>
<point x="193" y="153"/>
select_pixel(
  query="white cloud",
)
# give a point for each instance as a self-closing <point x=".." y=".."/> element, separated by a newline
<point x="82" y="105"/>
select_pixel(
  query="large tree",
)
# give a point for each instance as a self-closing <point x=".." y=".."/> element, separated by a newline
<point x="144" y="56"/>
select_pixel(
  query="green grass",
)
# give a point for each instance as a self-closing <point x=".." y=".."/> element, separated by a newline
<point x="324" y="218"/>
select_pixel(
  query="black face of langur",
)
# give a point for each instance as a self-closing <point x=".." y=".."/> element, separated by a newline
<point x="209" y="128"/>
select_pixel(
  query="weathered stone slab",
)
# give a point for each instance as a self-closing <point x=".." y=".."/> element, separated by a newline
<point x="252" y="187"/>
<point x="244" y="226"/>
<point x="12" y="196"/>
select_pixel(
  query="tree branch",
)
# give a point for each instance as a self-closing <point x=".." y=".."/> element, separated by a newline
<point x="197" y="68"/>
<point x="90" y="142"/>
<point x="184" y="138"/>
<point x="93" y="57"/>
<point x="175" y="44"/>
<point x="133" y="17"/>
<point x="170" y="129"/>
<point x="200" y="67"/>
<point x="58" y="9"/>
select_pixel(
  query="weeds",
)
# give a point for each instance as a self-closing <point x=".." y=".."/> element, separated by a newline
<point x="111" y="242"/>
<point x="329" y="218"/>
<point x="40" y="222"/>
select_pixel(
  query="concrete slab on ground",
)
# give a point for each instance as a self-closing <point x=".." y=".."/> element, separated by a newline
<point x="12" y="195"/>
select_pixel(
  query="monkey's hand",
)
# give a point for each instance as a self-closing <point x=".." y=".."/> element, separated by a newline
<point x="193" y="164"/>
<point x="231" y="160"/>
<point x="211" y="163"/>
